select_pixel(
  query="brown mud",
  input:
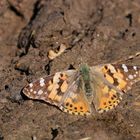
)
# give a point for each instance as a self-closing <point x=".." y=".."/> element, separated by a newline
<point x="94" y="32"/>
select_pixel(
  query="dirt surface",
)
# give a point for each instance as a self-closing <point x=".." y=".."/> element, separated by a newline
<point x="94" y="32"/>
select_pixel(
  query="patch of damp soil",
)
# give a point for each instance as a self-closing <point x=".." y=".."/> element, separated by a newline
<point x="93" y="32"/>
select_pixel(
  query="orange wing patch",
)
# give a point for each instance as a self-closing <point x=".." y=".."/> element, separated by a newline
<point x="114" y="76"/>
<point x="50" y="89"/>
<point x="76" y="106"/>
<point x="108" y="101"/>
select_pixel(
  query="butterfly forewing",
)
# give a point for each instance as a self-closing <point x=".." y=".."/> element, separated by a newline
<point x="110" y="81"/>
<point x="52" y="88"/>
<point x="122" y="76"/>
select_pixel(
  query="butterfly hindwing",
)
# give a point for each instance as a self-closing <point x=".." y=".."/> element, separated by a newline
<point x="76" y="101"/>
<point x="106" y="97"/>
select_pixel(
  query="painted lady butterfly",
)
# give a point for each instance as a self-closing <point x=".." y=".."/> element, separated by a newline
<point x="73" y="91"/>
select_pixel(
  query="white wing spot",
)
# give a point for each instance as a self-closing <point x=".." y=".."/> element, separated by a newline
<point x="42" y="83"/>
<point x="31" y="85"/>
<point x="124" y="68"/>
<point x="112" y="69"/>
<point x="120" y="98"/>
<point x="40" y="92"/>
<point x="35" y="92"/>
<point x="31" y="90"/>
<point x="130" y="76"/>
<point x="135" y="67"/>
<point x="135" y="75"/>
<point x="56" y="77"/>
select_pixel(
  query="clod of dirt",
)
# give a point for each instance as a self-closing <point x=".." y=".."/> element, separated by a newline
<point x="53" y="54"/>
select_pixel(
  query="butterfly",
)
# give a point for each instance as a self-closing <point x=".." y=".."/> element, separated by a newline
<point x="74" y="91"/>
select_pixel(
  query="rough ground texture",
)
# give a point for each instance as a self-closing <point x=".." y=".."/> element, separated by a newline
<point x="94" y="32"/>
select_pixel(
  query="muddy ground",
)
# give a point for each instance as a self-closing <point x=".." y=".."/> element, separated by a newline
<point x="94" y="32"/>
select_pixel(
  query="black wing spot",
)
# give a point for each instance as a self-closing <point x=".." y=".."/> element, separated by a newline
<point x="104" y="103"/>
<point x="114" y="106"/>
<point x="114" y="96"/>
<point x="79" y="113"/>
<point x="75" y="108"/>
<point x="81" y="107"/>
<point x="67" y="104"/>
<point x="109" y="102"/>
<point x="105" y="67"/>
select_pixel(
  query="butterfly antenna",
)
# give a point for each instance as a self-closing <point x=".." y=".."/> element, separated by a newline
<point x="130" y="57"/>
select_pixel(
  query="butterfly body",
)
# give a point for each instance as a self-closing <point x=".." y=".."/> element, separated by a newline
<point x="73" y="91"/>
